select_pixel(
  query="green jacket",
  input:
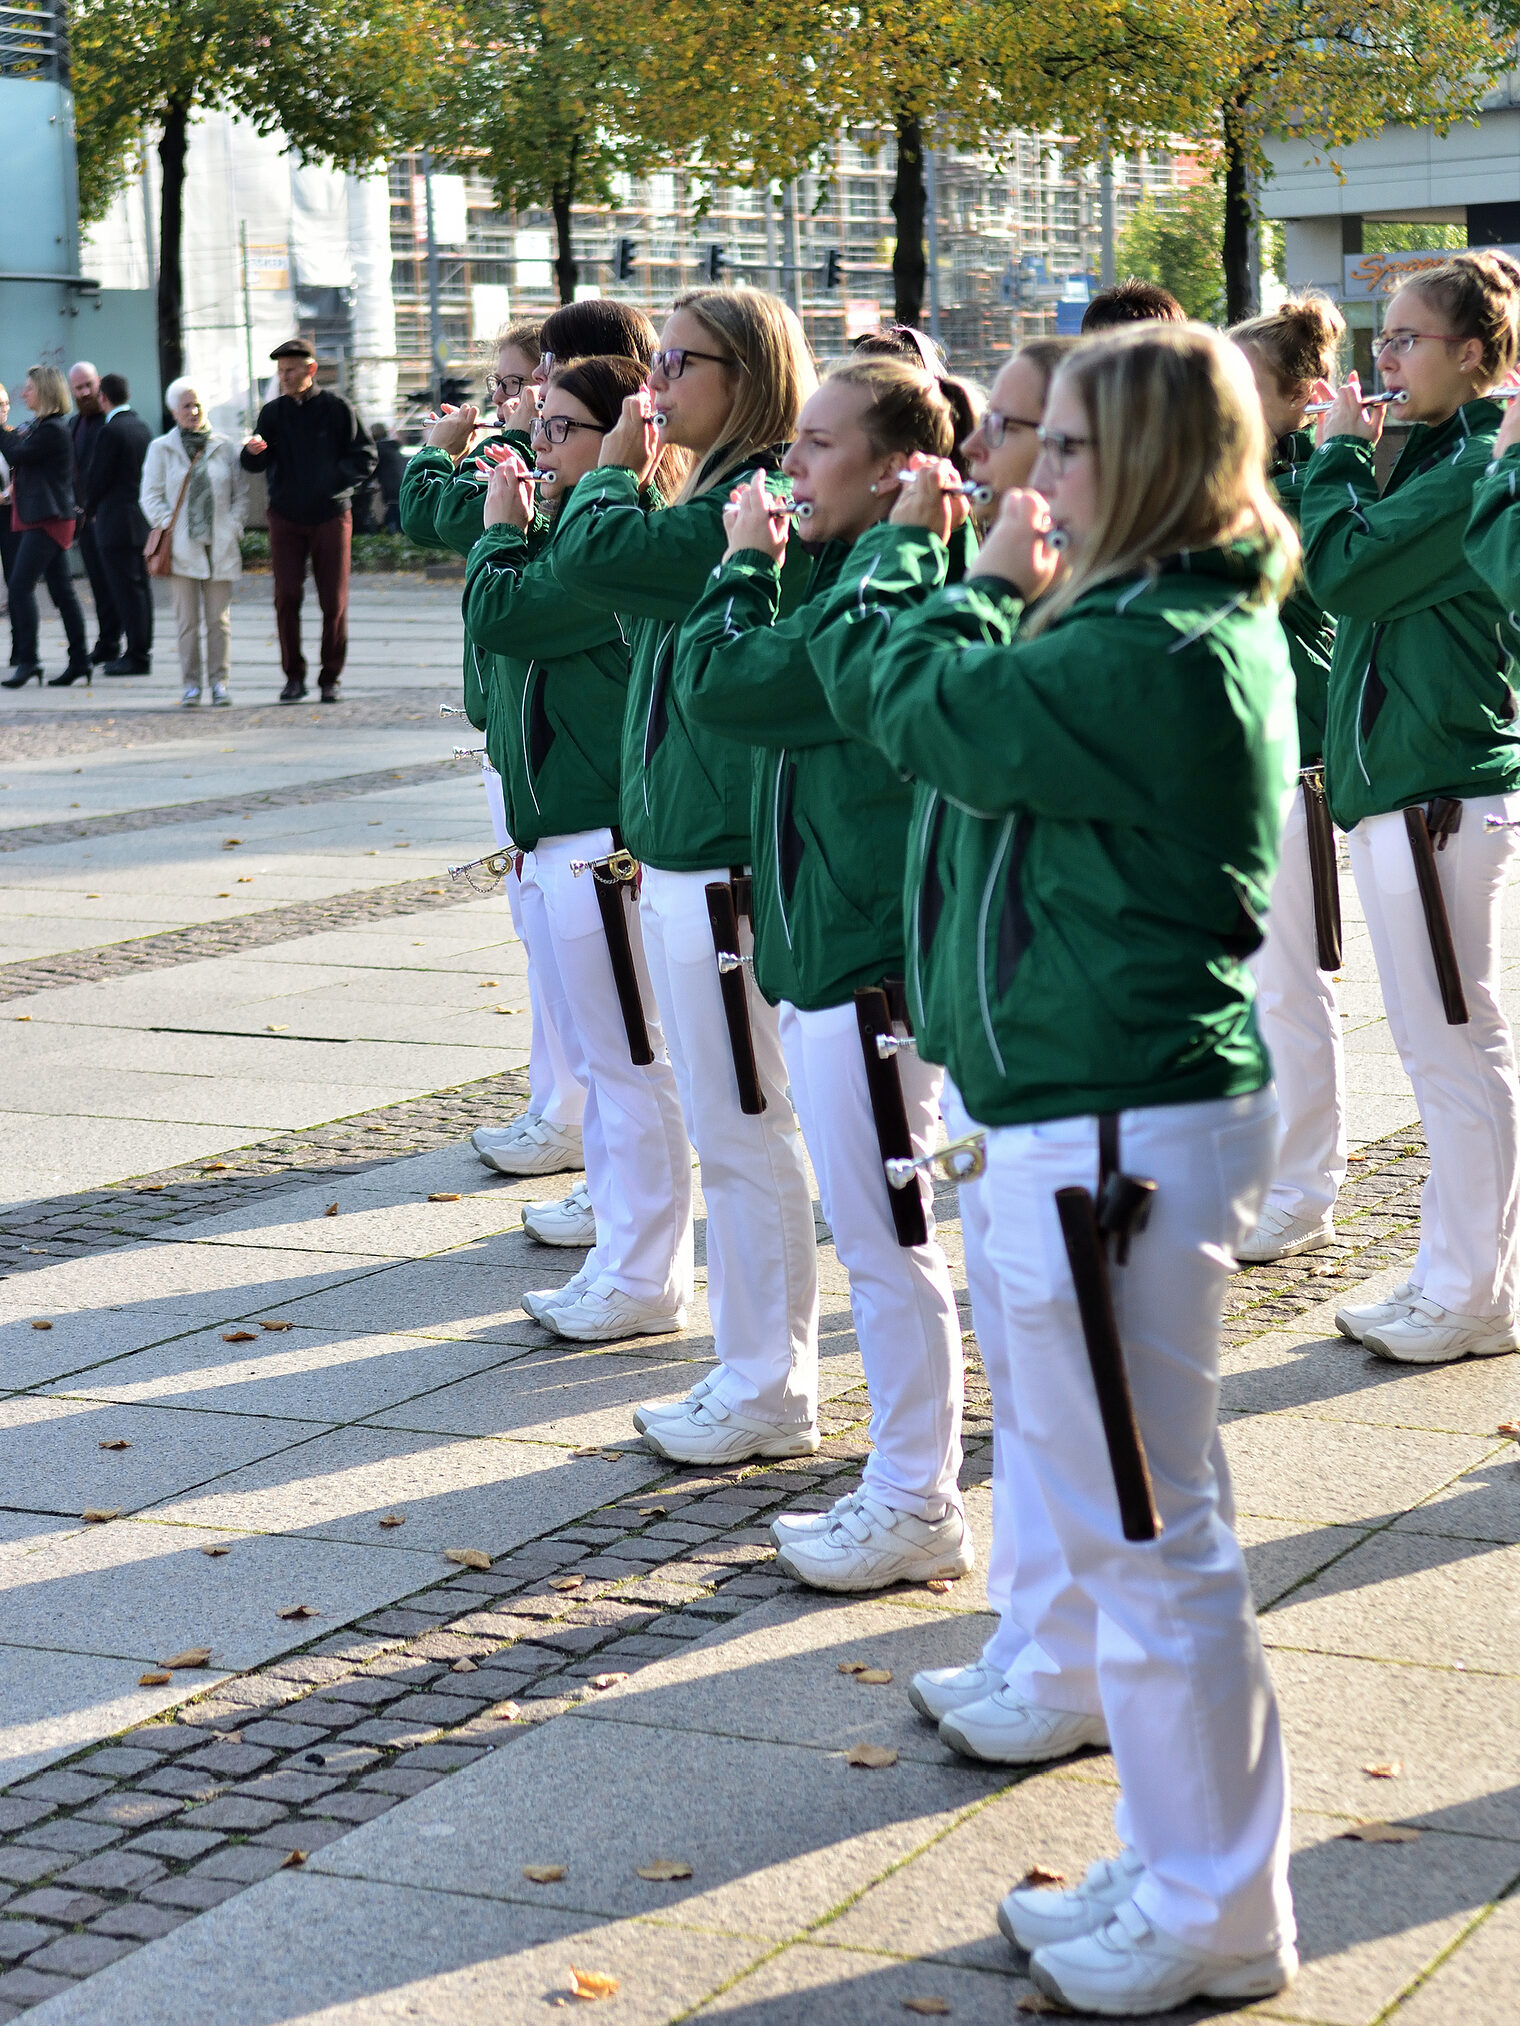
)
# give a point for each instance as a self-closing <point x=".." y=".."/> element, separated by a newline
<point x="1127" y="772"/>
<point x="829" y="816"/>
<point x="1420" y="696"/>
<point x="1311" y="632"/>
<point x="686" y="790"/>
<point x="557" y="683"/>
<point x="1492" y="542"/>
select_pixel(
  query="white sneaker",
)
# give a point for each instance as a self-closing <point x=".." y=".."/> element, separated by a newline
<point x="533" y="1147"/>
<point x="191" y="693"/>
<point x="496" y="1136"/>
<point x="791" y="1526"/>
<point x="935" y="1691"/>
<point x="1280" y="1235"/>
<point x="538" y="1299"/>
<point x="665" y="1410"/>
<point x="605" y="1316"/>
<point x="1033" y="1916"/>
<point x="867" y="1545"/>
<point x="219" y="693"/>
<point x="1127" y="1968"/>
<point x="1371" y="1315"/>
<point x="708" y="1432"/>
<point x="569" y="1221"/>
<point x="1427" y="1334"/>
<point x="1006" y="1731"/>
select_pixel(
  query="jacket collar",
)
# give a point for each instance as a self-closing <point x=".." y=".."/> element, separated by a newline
<point x="1428" y="445"/>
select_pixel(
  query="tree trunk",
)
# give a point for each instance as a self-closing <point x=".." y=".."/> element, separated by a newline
<point x="562" y="200"/>
<point x="172" y="148"/>
<point x="909" y="204"/>
<point x="1239" y="292"/>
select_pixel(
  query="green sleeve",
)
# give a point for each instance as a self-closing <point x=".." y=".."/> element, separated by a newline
<point x="459" y="517"/>
<point x="426" y="474"/>
<point x="515" y="605"/>
<point x="1382" y="559"/>
<point x="743" y="674"/>
<point x="889" y="570"/>
<point x="1493" y="532"/>
<point x="609" y="550"/>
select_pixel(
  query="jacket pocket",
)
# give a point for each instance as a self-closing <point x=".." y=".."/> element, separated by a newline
<point x="790" y="843"/>
<point x="540" y="729"/>
<point x="1015" y="929"/>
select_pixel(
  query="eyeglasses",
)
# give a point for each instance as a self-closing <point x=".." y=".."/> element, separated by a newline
<point x="1402" y="343"/>
<point x="543" y="371"/>
<point x="506" y="388"/>
<point x="672" y="363"/>
<point x="558" y="427"/>
<point x="995" y="426"/>
<point x="1059" y="447"/>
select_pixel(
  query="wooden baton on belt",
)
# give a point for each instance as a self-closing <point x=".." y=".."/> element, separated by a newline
<point x="724" y="916"/>
<point x="873" y="1013"/>
<point x="1324" y="875"/>
<point x="1442" y="819"/>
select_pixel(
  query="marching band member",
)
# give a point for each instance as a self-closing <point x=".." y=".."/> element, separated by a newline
<point x="442" y="496"/>
<point x="1421" y="746"/>
<point x="830" y="824"/>
<point x="727" y="383"/>
<point x="1134" y="733"/>
<point x="1290" y="351"/>
<point x="558" y="672"/>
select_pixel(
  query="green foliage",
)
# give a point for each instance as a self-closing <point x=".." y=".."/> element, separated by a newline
<point x="1401" y="236"/>
<point x="372" y="554"/>
<point x="1176" y="243"/>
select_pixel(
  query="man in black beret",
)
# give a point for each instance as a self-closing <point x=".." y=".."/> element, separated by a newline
<point x="315" y="450"/>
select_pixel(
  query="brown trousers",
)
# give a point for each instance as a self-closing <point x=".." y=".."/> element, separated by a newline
<point x="327" y="545"/>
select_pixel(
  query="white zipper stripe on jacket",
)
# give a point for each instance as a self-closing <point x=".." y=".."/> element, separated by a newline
<point x="649" y="717"/>
<point x="522" y="720"/>
<point x="776" y="842"/>
<point x="1209" y="622"/>
<point x="915" y="933"/>
<point x="1005" y="844"/>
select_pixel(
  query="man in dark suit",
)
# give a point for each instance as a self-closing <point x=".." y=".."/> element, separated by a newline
<point x="111" y="490"/>
<point x="85" y="425"/>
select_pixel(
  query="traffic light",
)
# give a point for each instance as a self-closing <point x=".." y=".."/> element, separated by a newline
<point x="622" y="264"/>
<point x="833" y="274"/>
<point x="717" y="261"/>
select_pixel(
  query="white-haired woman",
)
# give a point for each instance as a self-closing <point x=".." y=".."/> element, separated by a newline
<point x="194" y="485"/>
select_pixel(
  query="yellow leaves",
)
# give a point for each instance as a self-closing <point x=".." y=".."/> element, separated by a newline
<point x="1389" y="1769"/>
<point x="468" y="1558"/>
<point x="240" y="1336"/>
<point x="863" y="1671"/>
<point x="156" y="1678"/>
<point x="276" y="1326"/>
<point x="292" y="1860"/>
<point x="444" y="1196"/>
<point x="592" y="1984"/>
<point x="543" y="1874"/>
<point x="871" y="1755"/>
<point x="1040" y="1875"/>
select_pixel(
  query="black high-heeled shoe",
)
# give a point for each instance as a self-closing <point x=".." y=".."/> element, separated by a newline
<point x="20" y="677"/>
<point x="72" y="674"/>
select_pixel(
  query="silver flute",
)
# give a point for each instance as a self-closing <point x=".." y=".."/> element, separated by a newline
<point x="960" y="1161"/>
<point x="982" y="494"/>
<point x="1394" y="399"/>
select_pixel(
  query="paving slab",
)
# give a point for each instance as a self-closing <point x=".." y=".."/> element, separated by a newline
<point x="1433" y="1600"/>
<point x="1292" y="1467"/>
<point x="1475" y="1984"/>
<point x="53" y="1703"/>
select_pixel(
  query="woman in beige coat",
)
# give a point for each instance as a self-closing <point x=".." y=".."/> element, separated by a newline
<point x="205" y="553"/>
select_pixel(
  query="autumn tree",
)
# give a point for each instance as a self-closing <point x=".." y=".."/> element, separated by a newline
<point x="1175" y="241"/>
<point x="343" y="80"/>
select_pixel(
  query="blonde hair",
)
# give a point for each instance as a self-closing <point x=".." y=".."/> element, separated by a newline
<point x="908" y="410"/>
<point x="1298" y="341"/>
<point x="1477" y="292"/>
<point x="1180" y="451"/>
<point x="53" y="390"/>
<point x="773" y="367"/>
<point x="523" y="334"/>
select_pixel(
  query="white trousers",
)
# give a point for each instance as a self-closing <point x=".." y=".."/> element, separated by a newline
<point x="554" y="1092"/>
<point x="762" y="1251"/>
<point x="1301" y="1025"/>
<point x="1182" y="1679"/>
<point x="638" y="1163"/>
<point x="901" y="1298"/>
<point x="1464" y="1077"/>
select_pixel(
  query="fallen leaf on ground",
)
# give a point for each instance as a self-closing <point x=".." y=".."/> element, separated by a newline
<point x="1038" y="2002"/>
<point x="543" y="1874"/>
<point x="292" y="1858"/>
<point x="1389" y="1769"/>
<point x="23" y="1016"/>
<point x="567" y="1582"/>
<point x="277" y="1027"/>
<point x="193" y="1656"/>
<point x="41" y="1324"/>
<point x="940" y="1585"/>
<point x="158" y="1679"/>
<point x="116" y="1442"/>
<point x="1379" y="1832"/>
<point x="591" y="1984"/>
<point x="463" y="1666"/>
<point x="506" y="1009"/>
<point x="654" y="1511"/>
<point x="506" y="1713"/>
<point x="1356" y="1157"/>
<point x="853" y="1666"/>
<point x="1510" y="1428"/>
<point x="392" y="1519"/>
<point x="298" y="1611"/>
<point x="214" y="1168"/>
<point x="611" y="1455"/>
<point x="1041" y="1874"/>
<point x="608" y="1680"/>
<point x="870" y="1755"/>
<point x="665" y="1869"/>
<point x="928" y="2008"/>
<point x="97" y="1515"/>
<point x="489" y="984"/>
<point x="468" y="1558"/>
<point x="276" y="1326"/>
<point x="331" y="1210"/>
<point x="150" y="1189"/>
<point x="229" y="842"/>
<point x="444" y="1196"/>
<point x="239" y="1336"/>
<point x="216" y="1548"/>
<point x="874" y="1677"/>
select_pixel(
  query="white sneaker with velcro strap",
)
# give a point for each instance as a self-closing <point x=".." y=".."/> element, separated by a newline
<point x="666" y="1410"/>
<point x="1034" y="1916"/>
<point x="540" y="1299"/>
<point x="705" y="1431"/>
<point x="1356" y="1319"/>
<point x="1427" y="1334"/>
<point x="568" y="1221"/>
<point x="1004" y="1730"/>
<point x="606" y="1315"/>
<point x="935" y="1691"/>
<point x="1281" y="1235"/>
<point x="1128" y="1968"/>
<point x="866" y="1545"/>
<point x="529" y="1146"/>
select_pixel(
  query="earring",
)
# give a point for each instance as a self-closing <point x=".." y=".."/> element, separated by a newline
<point x="873" y="488"/>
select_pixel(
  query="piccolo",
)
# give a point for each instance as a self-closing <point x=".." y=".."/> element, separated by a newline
<point x="960" y="1161"/>
<point x="1395" y="399"/>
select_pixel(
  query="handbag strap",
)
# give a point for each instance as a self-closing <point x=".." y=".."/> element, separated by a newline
<point x="184" y="488"/>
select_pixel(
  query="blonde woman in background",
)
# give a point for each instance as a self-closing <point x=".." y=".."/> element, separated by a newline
<point x="204" y="549"/>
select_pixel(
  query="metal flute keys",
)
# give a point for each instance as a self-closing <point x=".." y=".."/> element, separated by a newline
<point x="1395" y="399"/>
